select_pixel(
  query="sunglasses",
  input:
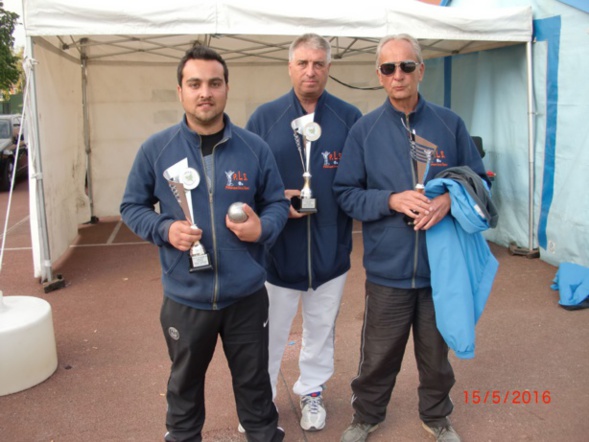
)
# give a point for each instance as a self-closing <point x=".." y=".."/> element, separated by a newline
<point x="389" y="68"/>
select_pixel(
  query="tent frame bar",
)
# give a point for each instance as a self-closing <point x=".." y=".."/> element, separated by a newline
<point x="86" y="128"/>
<point x="530" y="252"/>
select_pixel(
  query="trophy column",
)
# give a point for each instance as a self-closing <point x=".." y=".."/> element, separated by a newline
<point x="310" y="131"/>
<point x="422" y="151"/>
<point x="189" y="180"/>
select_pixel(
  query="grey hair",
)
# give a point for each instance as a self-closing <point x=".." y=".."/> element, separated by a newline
<point x="312" y="40"/>
<point x="403" y="37"/>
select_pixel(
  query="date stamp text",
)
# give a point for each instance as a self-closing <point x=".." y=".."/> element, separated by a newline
<point x="515" y="397"/>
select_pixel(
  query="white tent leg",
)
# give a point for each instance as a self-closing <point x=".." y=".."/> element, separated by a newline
<point x="88" y="150"/>
<point x="50" y="282"/>
<point x="530" y="252"/>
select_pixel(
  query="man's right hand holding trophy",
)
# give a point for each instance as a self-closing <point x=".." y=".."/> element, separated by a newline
<point x="185" y="235"/>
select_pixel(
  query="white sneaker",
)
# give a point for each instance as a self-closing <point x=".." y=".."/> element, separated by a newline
<point x="313" y="412"/>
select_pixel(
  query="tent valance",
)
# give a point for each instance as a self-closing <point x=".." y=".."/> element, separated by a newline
<point x="261" y="31"/>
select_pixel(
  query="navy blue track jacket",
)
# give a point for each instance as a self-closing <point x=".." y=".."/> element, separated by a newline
<point x="315" y="249"/>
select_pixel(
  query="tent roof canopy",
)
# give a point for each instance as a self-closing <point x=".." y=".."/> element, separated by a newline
<point x="110" y="31"/>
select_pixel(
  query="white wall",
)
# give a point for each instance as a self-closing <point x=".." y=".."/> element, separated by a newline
<point x="129" y="103"/>
<point x="493" y="101"/>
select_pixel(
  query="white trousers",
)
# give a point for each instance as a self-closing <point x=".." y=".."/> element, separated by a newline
<point x="319" y="310"/>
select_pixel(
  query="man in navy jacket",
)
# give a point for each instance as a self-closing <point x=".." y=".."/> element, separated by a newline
<point x="375" y="184"/>
<point x="311" y="257"/>
<point x="226" y="297"/>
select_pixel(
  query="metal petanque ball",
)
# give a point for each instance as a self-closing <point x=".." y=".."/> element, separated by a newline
<point x="236" y="213"/>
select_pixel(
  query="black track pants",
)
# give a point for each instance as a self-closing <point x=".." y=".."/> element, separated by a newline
<point x="191" y="336"/>
<point x="389" y="316"/>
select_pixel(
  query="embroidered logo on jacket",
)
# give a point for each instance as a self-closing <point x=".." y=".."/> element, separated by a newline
<point x="439" y="159"/>
<point x="331" y="159"/>
<point x="236" y="180"/>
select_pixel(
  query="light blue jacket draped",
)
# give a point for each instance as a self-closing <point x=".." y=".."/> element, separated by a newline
<point x="462" y="266"/>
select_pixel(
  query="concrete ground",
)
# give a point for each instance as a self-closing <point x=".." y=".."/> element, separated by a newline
<point x="113" y="367"/>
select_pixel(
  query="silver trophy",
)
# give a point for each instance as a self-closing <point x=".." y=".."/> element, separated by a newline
<point x="181" y="187"/>
<point x="422" y="152"/>
<point x="310" y="132"/>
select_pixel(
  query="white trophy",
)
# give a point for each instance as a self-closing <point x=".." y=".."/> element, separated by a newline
<point x="181" y="186"/>
<point x="310" y="132"/>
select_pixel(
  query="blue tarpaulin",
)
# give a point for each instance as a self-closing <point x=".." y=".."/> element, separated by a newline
<point x="572" y="281"/>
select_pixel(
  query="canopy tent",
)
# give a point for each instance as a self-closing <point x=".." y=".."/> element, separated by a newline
<point x="86" y="124"/>
<point x="248" y="31"/>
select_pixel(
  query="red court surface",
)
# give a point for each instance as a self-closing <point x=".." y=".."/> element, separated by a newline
<point x="113" y="367"/>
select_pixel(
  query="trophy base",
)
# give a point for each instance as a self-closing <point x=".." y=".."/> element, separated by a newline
<point x="200" y="262"/>
<point x="408" y="220"/>
<point x="304" y="205"/>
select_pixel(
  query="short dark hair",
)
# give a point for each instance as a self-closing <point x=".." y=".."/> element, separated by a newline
<point x="199" y="52"/>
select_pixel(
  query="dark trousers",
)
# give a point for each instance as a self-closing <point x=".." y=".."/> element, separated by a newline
<point x="389" y="316"/>
<point x="191" y="336"/>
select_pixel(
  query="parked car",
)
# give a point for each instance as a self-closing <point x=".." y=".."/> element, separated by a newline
<point x="8" y="144"/>
<point x="15" y="121"/>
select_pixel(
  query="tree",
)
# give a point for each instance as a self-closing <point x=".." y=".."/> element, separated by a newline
<point x="9" y="71"/>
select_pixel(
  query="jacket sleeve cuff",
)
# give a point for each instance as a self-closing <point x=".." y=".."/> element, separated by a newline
<point x="164" y="229"/>
<point x="469" y="354"/>
<point x="391" y="211"/>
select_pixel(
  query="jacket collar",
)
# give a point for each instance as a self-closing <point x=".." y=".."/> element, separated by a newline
<point x="188" y="132"/>
<point x="418" y="109"/>
<point x="299" y="108"/>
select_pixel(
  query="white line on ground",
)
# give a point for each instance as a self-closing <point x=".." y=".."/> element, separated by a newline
<point x="14" y="226"/>
<point x="114" y="232"/>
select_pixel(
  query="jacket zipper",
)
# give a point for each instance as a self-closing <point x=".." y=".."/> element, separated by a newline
<point x="414" y="178"/>
<point x="309" y="257"/>
<point x="212" y="209"/>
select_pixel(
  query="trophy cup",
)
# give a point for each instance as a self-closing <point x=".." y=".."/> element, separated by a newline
<point x="310" y="131"/>
<point x="189" y="180"/>
<point x="422" y="151"/>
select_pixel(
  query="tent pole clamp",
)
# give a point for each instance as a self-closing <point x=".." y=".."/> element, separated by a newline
<point x="522" y="251"/>
<point x="55" y="284"/>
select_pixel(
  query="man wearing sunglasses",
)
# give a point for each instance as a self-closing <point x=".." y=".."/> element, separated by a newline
<point x="376" y="183"/>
